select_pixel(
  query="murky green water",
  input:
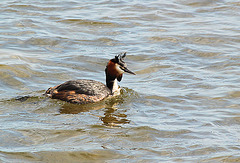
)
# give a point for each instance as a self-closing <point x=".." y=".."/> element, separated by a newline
<point x="182" y="106"/>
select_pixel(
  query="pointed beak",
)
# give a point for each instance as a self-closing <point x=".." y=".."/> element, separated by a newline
<point x="125" y="69"/>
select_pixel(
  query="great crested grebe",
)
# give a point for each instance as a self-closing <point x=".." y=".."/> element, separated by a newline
<point x="85" y="91"/>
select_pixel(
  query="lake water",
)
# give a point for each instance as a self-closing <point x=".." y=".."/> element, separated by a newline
<point x="182" y="106"/>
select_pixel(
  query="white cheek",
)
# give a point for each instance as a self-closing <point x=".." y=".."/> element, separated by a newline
<point x="119" y="70"/>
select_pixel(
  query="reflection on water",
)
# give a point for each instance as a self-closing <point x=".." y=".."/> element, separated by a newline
<point x="182" y="106"/>
<point x="111" y="117"/>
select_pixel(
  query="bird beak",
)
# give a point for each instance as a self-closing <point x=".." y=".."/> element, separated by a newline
<point x="125" y="69"/>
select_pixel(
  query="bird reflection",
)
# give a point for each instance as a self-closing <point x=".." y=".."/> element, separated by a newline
<point x="112" y="116"/>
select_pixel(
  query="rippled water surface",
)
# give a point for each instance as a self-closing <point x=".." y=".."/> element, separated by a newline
<point x="182" y="106"/>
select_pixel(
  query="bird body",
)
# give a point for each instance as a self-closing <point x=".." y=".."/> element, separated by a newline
<point x="85" y="91"/>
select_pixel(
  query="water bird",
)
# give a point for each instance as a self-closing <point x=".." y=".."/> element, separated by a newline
<point x="83" y="91"/>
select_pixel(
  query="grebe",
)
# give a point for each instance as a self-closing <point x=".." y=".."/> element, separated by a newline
<point x="85" y="91"/>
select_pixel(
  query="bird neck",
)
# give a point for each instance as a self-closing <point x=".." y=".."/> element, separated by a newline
<point x="112" y="78"/>
<point x="112" y="84"/>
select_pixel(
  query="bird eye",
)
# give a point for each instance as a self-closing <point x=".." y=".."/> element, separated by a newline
<point x="121" y="64"/>
<point x="121" y="67"/>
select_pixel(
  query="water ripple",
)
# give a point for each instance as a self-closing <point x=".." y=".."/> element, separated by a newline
<point x="183" y="104"/>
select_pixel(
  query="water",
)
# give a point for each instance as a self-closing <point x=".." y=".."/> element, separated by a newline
<point x="182" y="106"/>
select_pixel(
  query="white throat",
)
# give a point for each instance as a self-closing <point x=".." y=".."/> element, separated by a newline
<point x="116" y="89"/>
